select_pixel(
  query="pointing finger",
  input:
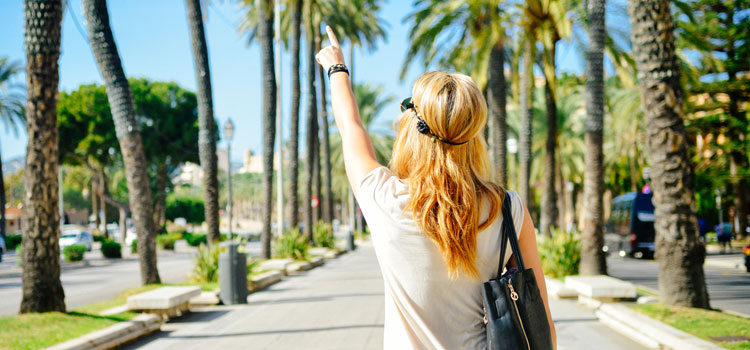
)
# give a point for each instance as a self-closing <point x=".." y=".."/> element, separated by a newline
<point x="332" y="36"/>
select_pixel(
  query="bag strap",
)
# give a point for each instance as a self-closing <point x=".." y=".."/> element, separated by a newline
<point x="508" y="230"/>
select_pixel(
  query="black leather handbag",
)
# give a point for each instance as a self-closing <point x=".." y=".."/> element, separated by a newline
<point x="514" y="311"/>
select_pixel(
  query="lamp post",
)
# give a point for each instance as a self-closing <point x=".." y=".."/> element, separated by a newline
<point x="228" y="133"/>
<point x="279" y="133"/>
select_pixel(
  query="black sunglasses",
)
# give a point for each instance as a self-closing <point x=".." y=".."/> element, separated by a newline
<point x="406" y="104"/>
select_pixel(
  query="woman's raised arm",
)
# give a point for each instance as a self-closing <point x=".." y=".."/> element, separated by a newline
<point x="359" y="156"/>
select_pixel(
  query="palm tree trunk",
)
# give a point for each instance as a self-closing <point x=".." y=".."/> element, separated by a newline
<point x="527" y="115"/>
<point x="206" y="121"/>
<point x="549" y="194"/>
<point x="327" y="203"/>
<point x="42" y="289"/>
<point x="316" y="175"/>
<point x="680" y="254"/>
<point x="312" y="108"/>
<point x="294" y="137"/>
<point x="126" y="127"/>
<point x="496" y="100"/>
<point x="265" y="30"/>
<point x="593" y="260"/>
<point x="161" y="195"/>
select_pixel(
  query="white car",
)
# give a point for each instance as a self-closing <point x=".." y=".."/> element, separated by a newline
<point x="76" y="236"/>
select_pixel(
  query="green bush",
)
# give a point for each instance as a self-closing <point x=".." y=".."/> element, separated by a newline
<point x="12" y="241"/>
<point x="560" y="254"/>
<point x="292" y="245"/>
<point x="185" y="206"/>
<point x="207" y="264"/>
<point x="74" y="252"/>
<point x="323" y="235"/>
<point x="195" y="239"/>
<point x="111" y="249"/>
<point x="134" y="247"/>
<point x="165" y="242"/>
<point x="98" y="238"/>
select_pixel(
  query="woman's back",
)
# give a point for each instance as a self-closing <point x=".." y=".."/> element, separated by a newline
<point x="424" y="307"/>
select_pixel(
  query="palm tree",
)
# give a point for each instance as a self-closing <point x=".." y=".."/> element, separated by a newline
<point x="265" y="29"/>
<point x="680" y="254"/>
<point x="126" y="126"/>
<point x="206" y="122"/>
<point x="296" y="22"/>
<point x="258" y="20"/>
<point x="312" y="119"/>
<point x="593" y="260"/>
<point x="468" y="36"/>
<point x="327" y="203"/>
<point x="548" y="23"/>
<point x="528" y="49"/>
<point x="42" y="289"/>
<point x="11" y="113"/>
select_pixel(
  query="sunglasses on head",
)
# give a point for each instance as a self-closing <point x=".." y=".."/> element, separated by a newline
<point x="406" y="104"/>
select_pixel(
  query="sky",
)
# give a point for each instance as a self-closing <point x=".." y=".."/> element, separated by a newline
<point x="153" y="41"/>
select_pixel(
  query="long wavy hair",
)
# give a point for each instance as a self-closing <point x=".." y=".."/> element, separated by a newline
<point x="447" y="183"/>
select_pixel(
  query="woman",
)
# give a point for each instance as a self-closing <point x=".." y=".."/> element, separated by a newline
<point x="434" y="215"/>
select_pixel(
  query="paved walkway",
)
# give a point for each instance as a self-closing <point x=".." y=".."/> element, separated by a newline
<point x="336" y="306"/>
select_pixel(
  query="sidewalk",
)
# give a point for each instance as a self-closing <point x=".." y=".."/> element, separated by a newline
<point x="336" y="306"/>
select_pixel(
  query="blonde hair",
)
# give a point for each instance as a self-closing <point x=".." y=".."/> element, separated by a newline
<point x="447" y="182"/>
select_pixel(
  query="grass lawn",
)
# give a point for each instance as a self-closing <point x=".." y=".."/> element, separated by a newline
<point x="701" y="323"/>
<point x="36" y="331"/>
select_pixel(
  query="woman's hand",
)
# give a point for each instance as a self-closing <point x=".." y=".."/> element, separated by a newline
<point x="332" y="54"/>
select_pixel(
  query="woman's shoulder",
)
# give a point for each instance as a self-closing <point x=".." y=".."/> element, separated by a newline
<point x="381" y="190"/>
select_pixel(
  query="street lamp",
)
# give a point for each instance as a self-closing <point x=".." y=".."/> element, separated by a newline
<point x="228" y="133"/>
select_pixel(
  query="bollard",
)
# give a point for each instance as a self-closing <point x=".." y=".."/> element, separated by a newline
<point x="232" y="274"/>
<point x="350" y="246"/>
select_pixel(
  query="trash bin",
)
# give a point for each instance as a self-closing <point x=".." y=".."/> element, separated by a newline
<point x="232" y="274"/>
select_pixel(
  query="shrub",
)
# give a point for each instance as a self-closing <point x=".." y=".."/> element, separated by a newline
<point x="560" y="254"/>
<point x="185" y="206"/>
<point x="12" y="241"/>
<point x="195" y="239"/>
<point x="323" y="235"/>
<point x="111" y="249"/>
<point x="98" y="238"/>
<point x="134" y="247"/>
<point x="207" y="264"/>
<point x="253" y="265"/>
<point x="74" y="252"/>
<point x="292" y="245"/>
<point x="165" y="242"/>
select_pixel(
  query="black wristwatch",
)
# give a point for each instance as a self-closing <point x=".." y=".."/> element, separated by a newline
<point x="337" y="68"/>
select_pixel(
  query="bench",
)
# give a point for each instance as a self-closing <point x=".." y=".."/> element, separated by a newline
<point x="593" y="290"/>
<point x="165" y="301"/>
<point x="276" y="265"/>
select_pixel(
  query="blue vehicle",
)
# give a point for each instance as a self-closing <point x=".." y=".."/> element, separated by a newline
<point x="630" y="228"/>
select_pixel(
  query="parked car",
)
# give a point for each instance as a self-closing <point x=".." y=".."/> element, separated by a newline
<point x="630" y="228"/>
<point x="71" y="236"/>
<point x="746" y="253"/>
<point x="2" y="248"/>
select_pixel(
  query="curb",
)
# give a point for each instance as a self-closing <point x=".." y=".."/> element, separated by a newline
<point x="114" y="335"/>
<point x="263" y="280"/>
<point x="647" y="331"/>
<point x="558" y="290"/>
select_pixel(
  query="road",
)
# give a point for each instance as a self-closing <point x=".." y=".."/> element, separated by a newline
<point x="728" y="289"/>
<point x="336" y="306"/>
<point x="98" y="283"/>
<point x="84" y="285"/>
